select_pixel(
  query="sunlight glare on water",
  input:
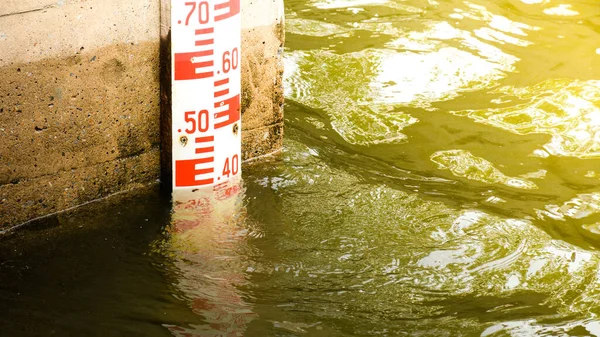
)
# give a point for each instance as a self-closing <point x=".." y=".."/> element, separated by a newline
<point x="440" y="172"/>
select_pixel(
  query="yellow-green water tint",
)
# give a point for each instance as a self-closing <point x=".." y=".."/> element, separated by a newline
<point x="440" y="175"/>
<point x="463" y="164"/>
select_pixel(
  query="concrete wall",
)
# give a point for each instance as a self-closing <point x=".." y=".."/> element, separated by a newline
<point x="80" y="99"/>
<point x="262" y="77"/>
<point x="79" y="103"/>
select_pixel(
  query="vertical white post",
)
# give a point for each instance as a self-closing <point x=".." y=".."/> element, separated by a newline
<point x="206" y="152"/>
<point x="206" y="82"/>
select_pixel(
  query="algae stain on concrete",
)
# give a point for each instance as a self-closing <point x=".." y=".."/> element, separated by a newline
<point x="262" y="90"/>
<point x="77" y="128"/>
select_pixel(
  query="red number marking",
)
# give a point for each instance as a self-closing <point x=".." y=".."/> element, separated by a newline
<point x="189" y="119"/>
<point x="193" y="4"/>
<point x="199" y="123"/>
<point x="234" y="164"/>
<point x="203" y="9"/>
<point x="230" y="60"/>
<point x="203" y="14"/>
<point x="226" y="169"/>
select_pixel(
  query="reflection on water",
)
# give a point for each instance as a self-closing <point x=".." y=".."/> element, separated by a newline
<point x="568" y="110"/>
<point x="392" y="261"/>
<point x="439" y="176"/>
<point x="204" y="236"/>
<point x="347" y="95"/>
<point x="562" y="9"/>
<point x="463" y="164"/>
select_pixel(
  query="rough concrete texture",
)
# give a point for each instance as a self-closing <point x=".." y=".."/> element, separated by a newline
<point x="32" y="30"/>
<point x="79" y="104"/>
<point x="45" y="195"/>
<point x="76" y="129"/>
<point x="262" y="77"/>
<point x="262" y="90"/>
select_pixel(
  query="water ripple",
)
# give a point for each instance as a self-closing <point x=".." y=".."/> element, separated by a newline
<point x="568" y="110"/>
<point x="464" y="164"/>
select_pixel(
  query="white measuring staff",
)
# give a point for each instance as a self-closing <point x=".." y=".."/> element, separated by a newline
<point x="206" y="85"/>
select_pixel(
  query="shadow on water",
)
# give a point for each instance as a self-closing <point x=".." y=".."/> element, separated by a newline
<point x="205" y="236"/>
<point x="91" y="272"/>
<point x="133" y="264"/>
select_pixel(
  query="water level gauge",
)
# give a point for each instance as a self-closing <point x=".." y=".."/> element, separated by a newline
<point x="206" y="83"/>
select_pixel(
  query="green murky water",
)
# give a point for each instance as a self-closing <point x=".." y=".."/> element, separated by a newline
<point x="441" y="177"/>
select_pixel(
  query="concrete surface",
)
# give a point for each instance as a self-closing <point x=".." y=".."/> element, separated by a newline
<point x="79" y="104"/>
<point x="262" y="78"/>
